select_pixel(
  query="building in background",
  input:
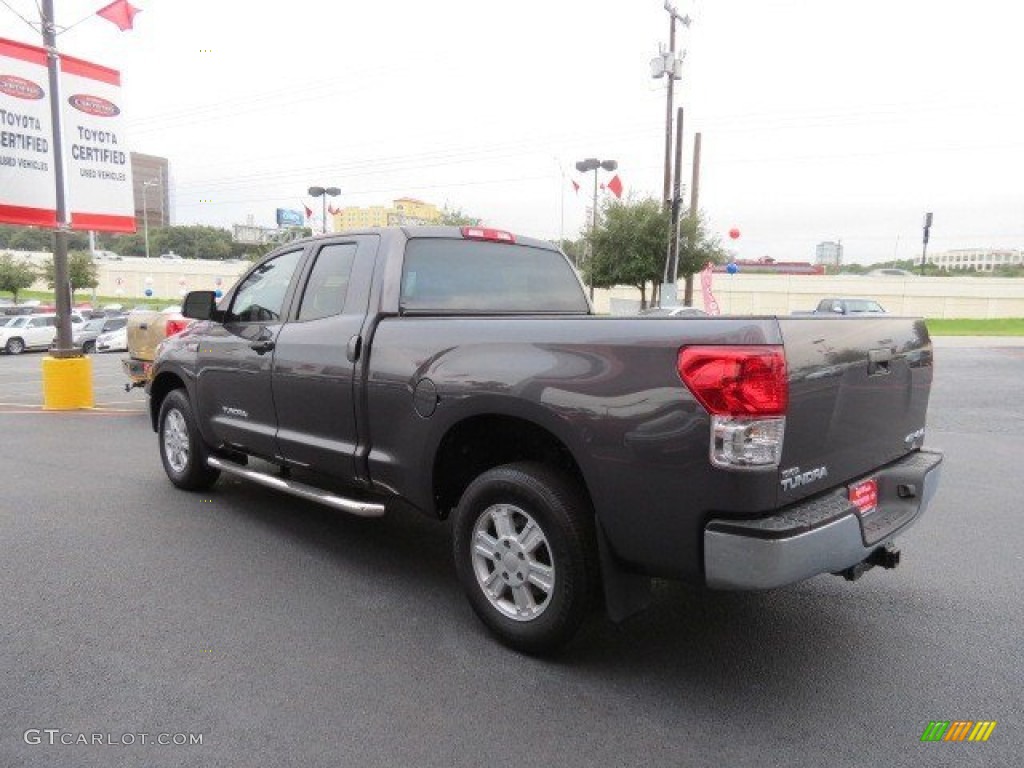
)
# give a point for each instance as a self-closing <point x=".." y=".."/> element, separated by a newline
<point x="976" y="259"/>
<point x="151" y="189"/>
<point x="404" y="210"/>
<point x="829" y="254"/>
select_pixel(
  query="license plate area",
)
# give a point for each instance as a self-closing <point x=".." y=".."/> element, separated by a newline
<point x="864" y="496"/>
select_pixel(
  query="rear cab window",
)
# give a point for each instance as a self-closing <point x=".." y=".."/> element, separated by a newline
<point x="453" y="276"/>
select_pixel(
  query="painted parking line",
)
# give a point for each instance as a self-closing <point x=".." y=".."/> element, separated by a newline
<point x="100" y="408"/>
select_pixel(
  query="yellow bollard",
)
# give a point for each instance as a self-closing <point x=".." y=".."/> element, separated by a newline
<point x="67" y="383"/>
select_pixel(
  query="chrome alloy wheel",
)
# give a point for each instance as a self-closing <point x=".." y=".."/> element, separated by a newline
<point x="176" y="440"/>
<point x="513" y="563"/>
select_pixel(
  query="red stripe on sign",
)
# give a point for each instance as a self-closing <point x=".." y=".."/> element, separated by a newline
<point x="21" y="51"/>
<point x="74" y="66"/>
<point x="28" y="217"/>
<point x="102" y="222"/>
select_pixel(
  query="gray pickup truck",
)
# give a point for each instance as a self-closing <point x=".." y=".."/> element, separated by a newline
<point x="463" y="373"/>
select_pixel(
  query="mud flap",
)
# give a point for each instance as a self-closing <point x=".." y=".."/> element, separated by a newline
<point x="625" y="593"/>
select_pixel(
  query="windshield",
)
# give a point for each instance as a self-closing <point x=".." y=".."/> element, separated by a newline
<point x="863" y="305"/>
<point x="18" y="322"/>
<point x="473" y="276"/>
<point x="94" y="325"/>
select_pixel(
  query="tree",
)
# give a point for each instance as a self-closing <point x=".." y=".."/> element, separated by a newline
<point x="195" y="242"/>
<point x="455" y="217"/>
<point x="15" y="276"/>
<point x="629" y="246"/>
<point x="81" y="271"/>
<point x="573" y="249"/>
<point x="631" y="241"/>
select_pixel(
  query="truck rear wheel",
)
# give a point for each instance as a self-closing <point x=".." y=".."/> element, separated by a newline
<point x="525" y="553"/>
<point x="181" y="446"/>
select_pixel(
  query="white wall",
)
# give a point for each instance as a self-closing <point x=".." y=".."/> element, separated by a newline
<point x="167" y="279"/>
<point x="940" y="297"/>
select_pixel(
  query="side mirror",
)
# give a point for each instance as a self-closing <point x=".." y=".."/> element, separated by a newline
<point x="200" y="305"/>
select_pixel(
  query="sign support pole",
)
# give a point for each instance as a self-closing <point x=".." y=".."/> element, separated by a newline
<point x="61" y="277"/>
<point x="67" y="374"/>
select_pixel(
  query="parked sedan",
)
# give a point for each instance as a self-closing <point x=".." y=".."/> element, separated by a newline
<point x="85" y="337"/>
<point x="113" y="341"/>
<point x="673" y="312"/>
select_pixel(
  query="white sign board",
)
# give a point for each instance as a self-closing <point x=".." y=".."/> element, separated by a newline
<point x="97" y="160"/>
<point x="27" y="183"/>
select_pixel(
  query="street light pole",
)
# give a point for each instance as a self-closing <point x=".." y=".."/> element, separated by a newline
<point x="323" y="192"/>
<point x="583" y="166"/>
<point x="145" y="212"/>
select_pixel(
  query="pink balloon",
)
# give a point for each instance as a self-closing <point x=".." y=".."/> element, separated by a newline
<point x="734" y="233"/>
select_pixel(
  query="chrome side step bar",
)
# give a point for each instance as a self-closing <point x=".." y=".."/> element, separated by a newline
<point x="303" y="491"/>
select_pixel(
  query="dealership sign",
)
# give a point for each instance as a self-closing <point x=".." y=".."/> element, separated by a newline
<point x="97" y="161"/>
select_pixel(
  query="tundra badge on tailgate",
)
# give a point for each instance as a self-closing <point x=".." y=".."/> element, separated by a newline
<point x="793" y="478"/>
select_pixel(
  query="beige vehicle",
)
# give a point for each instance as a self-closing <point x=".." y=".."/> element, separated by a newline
<point x="146" y="329"/>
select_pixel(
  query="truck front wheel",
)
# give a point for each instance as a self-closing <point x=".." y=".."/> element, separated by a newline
<point x="525" y="553"/>
<point x="181" y="446"/>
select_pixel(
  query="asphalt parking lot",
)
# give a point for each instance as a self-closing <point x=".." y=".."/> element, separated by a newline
<point x="284" y="634"/>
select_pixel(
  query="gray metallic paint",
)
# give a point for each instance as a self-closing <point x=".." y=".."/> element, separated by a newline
<point x="608" y="390"/>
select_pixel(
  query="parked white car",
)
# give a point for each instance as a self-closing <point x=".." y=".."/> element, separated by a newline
<point x="113" y="341"/>
<point x="28" y="332"/>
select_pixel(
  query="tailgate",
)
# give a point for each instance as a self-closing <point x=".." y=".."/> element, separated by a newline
<point x="145" y="331"/>
<point x="858" y="395"/>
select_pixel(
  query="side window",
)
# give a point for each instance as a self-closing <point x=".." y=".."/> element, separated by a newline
<point x="327" y="286"/>
<point x="260" y="297"/>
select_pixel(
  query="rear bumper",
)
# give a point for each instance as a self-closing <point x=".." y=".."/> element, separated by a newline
<point x="138" y="371"/>
<point x="823" y="535"/>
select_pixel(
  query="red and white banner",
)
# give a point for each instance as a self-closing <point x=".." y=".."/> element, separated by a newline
<point x="97" y="161"/>
<point x="710" y="304"/>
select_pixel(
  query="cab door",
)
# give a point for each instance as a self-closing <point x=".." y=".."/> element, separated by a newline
<point x="318" y="354"/>
<point x="235" y="358"/>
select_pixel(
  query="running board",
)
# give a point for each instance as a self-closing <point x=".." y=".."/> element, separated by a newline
<point x="303" y="491"/>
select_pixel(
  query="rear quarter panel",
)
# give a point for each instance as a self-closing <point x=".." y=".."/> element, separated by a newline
<point x="607" y="388"/>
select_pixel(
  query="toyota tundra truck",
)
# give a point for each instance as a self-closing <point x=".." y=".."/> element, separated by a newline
<point x="463" y="373"/>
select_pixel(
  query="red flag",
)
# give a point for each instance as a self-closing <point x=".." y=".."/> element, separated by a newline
<point x="332" y="210"/>
<point x="575" y="187"/>
<point x="120" y="12"/>
<point x="309" y="211"/>
<point x="615" y="185"/>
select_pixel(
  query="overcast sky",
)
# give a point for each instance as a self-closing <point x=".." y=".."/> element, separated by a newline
<point x="821" y="119"/>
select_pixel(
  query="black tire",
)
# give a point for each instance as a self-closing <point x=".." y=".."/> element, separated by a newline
<point x="15" y="346"/>
<point x="89" y="347"/>
<point x="181" y="447"/>
<point x="526" y="494"/>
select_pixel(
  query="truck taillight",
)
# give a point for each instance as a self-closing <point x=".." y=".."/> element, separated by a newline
<point x="176" y="326"/>
<point x="746" y="391"/>
<point x="486" y="233"/>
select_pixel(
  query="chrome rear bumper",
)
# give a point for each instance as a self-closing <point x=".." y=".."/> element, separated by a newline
<point x="823" y="535"/>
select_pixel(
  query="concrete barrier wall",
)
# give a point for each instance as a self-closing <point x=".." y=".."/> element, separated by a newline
<point x="942" y="297"/>
<point x="939" y="297"/>
<point x="167" y="279"/>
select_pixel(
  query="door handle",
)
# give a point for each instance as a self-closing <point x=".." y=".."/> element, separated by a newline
<point x="260" y="347"/>
<point x="355" y="346"/>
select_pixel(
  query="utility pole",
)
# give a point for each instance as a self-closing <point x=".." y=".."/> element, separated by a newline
<point x="694" y="190"/>
<point x="924" y="244"/>
<point x="669" y="291"/>
<point x="666" y="64"/>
